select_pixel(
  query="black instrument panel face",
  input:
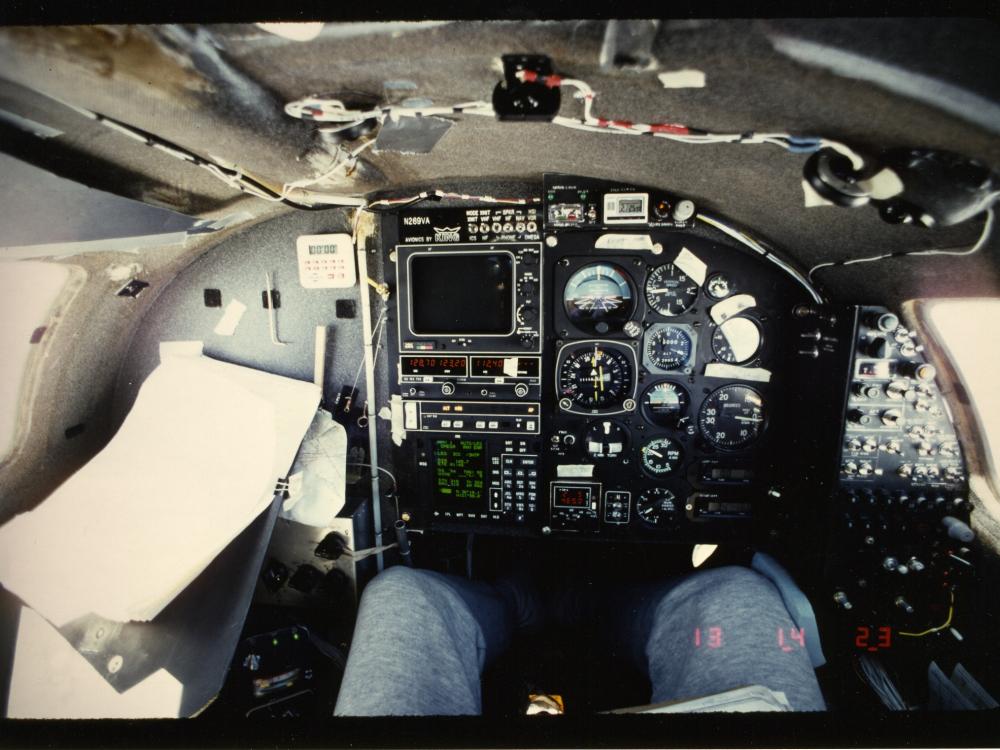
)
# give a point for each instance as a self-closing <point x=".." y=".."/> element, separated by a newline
<point x="677" y="431"/>
<point x="572" y="368"/>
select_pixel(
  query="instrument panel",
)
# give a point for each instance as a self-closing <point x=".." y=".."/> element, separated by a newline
<point x="558" y="372"/>
<point x="596" y="365"/>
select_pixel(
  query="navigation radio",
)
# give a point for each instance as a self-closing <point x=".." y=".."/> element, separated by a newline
<point x="469" y="325"/>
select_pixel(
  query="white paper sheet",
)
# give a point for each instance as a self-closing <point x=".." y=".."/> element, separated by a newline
<point x="50" y="680"/>
<point x="195" y="461"/>
<point x="316" y="486"/>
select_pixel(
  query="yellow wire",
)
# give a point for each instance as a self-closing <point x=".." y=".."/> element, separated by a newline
<point x="382" y="289"/>
<point x="951" y="611"/>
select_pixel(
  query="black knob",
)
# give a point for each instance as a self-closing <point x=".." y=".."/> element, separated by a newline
<point x="878" y="347"/>
<point x="529" y="314"/>
<point x="858" y="416"/>
<point x="528" y="288"/>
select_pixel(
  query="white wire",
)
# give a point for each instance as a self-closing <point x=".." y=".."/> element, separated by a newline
<point x="758" y="248"/>
<point x="983" y="237"/>
<point x="362" y="365"/>
<point x="876" y="676"/>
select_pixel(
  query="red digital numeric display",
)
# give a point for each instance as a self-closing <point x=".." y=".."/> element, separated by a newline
<point x="873" y="639"/>
<point x="572" y="497"/>
<point x="711" y="638"/>
<point x="419" y="365"/>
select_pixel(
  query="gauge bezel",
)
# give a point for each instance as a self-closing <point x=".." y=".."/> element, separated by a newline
<point x="590" y="325"/>
<point x="758" y="352"/>
<point x="714" y="275"/>
<point x="561" y="357"/>
<point x="649" y="299"/>
<point x="732" y="449"/>
<point x="649" y="417"/>
<point x="684" y="367"/>
<point x="677" y="471"/>
<point x="675" y="518"/>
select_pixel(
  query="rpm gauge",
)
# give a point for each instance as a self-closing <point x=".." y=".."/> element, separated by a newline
<point x="661" y="456"/>
<point x="670" y="291"/>
<point x="732" y="417"/>
<point x="737" y="341"/>
<point x="599" y="297"/>
<point x="657" y="506"/>
<point x="596" y="377"/>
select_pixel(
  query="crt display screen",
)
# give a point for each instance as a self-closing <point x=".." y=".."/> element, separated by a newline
<point x="462" y="294"/>
<point x="460" y="472"/>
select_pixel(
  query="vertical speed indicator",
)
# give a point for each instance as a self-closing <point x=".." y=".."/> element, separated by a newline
<point x="670" y="291"/>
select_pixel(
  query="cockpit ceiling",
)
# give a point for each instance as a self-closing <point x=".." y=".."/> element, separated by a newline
<point x="220" y="90"/>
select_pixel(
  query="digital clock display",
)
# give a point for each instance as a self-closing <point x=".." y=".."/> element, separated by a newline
<point x="572" y="497"/>
<point x="630" y="207"/>
<point x="419" y="365"/>
<point x="323" y="249"/>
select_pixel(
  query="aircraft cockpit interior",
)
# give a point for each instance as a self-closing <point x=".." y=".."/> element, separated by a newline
<point x="602" y="372"/>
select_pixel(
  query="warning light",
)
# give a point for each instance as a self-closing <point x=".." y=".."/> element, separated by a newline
<point x="274" y="641"/>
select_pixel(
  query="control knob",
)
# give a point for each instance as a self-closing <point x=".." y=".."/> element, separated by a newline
<point x="885" y="322"/>
<point x="920" y="370"/>
<point x="520" y="390"/>
<point x="447" y="388"/>
<point x="897" y="390"/>
<point x="859" y="417"/>
<point x="893" y="446"/>
<point x="878" y="347"/>
<point x="867" y="390"/>
<point x="528" y="315"/>
<point x="683" y="210"/>
<point x="891" y="417"/>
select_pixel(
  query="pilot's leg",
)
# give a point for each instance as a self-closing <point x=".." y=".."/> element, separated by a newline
<point x="420" y="644"/>
<point x="716" y="630"/>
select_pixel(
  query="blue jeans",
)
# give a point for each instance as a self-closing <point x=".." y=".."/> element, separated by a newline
<point x="422" y="639"/>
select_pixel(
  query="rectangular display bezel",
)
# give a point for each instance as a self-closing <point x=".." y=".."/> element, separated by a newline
<point x="462" y="334"/>
<point x="453" y="373"/>
<point x="613" y="215"/>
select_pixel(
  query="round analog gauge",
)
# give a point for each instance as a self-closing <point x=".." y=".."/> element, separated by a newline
<point x="657" y="506"/>
<point x="595" y="378"/>
<point x="668" y="347"/>
<point x="599" y="296"/>
<point x="605" y="439"/>
<point x="664" y="403"/>
<point x="736" y="341"/>
<point x="670" y="291"/>
<point x="718" y="286"/>
<point x="732" y="417"/>
<point x="661" y="456"/>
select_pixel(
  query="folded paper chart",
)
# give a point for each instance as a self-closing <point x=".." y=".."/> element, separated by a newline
<point x="195" y="461"/>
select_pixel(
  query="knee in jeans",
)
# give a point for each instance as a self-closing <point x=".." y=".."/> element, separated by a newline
<point x="397" y="582"/>
<point x="732" y="580"/>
